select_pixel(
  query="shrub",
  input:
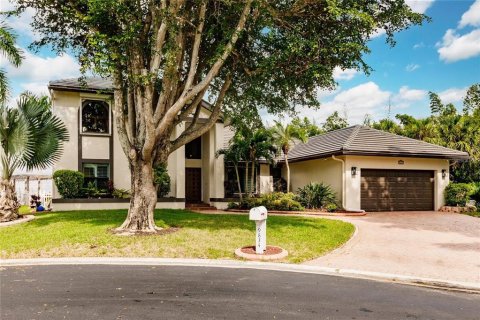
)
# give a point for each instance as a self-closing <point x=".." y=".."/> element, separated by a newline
<point x="272" y="201"/>
<point x="317" y="195"/>
<point x="476" y="192"/>
<point x="121" y="193"/>
<point x="69" y="183"/>
<point x="457" y="194"/>
<point x="161" y="179"/>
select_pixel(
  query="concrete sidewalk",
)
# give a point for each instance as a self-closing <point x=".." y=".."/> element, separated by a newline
<point x="417" y="244"/>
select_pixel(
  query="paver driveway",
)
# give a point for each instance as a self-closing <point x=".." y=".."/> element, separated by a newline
<point x="422" y="244"/>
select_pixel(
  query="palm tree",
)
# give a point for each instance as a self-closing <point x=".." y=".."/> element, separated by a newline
<point x="234" y="154"/>
<point x="284" y="137"/>
<point x="260" y="146"/>
<point x="31" y="138"/>
<point x="13" y="55"/>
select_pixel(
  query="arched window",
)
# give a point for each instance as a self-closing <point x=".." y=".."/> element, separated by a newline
<point x="95" y="117"/>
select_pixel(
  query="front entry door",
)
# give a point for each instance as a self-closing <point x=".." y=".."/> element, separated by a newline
<point x="193" y="184"/>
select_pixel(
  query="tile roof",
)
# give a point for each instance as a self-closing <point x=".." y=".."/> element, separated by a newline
<point x="88" y="84"/>
<point x="362" y="140"/>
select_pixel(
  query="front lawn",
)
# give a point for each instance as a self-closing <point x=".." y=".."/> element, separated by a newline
<point x="85" y="234"/>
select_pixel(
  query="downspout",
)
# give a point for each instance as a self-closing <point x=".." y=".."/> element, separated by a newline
<point x="343" y="180"/>
<point x="344" y="184"/>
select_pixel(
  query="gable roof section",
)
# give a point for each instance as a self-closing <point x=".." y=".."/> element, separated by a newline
<point x="97" y="85"/>
<point x="366" y="141"/>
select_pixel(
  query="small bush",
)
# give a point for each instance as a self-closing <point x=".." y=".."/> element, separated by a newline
<point x="121" y="193"/>
<point x="161" y="179"/>
<point x="457" y="194"/>
<point x="272" y="201"/>
<point x="317" y="196"/>
<point x="69" y="183"/>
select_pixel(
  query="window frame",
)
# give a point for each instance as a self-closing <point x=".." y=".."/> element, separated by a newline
<point x="93" y="164"/>
<point x="87" y="133"/>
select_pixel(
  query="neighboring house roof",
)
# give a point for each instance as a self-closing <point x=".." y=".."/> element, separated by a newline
<point x="366" y="141"/>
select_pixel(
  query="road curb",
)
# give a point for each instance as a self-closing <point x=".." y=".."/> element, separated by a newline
<point x="470" y="287"/>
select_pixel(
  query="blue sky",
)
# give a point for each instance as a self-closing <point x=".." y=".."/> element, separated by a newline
<point x="442" y="56"/>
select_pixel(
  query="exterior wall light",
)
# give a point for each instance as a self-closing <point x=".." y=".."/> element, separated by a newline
<point x="444" y="173"/>
<point x="354" y="171"/>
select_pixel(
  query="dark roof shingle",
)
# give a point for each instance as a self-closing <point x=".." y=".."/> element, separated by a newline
<point x="362" y="140"/>
<point x="88" y="84"/>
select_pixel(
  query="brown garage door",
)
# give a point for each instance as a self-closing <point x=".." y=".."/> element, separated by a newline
<point x="396" y="190"/>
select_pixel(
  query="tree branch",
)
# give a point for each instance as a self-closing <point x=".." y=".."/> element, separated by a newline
<point x="188" y="93"/>
<point x="191" y="133"/>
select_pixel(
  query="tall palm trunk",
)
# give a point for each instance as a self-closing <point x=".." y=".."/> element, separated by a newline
<point x="288" y="171"/>
<point x="252" y="179"/>
<point x="238" y="183"/>
<point x="246" y="184"/>
<point x="8" y="201"/>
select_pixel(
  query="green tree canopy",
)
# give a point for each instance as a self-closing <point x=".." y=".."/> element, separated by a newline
<point x="165" y="55"/>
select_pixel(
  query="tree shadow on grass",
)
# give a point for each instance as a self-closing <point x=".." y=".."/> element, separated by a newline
<point x="178" y="218"/>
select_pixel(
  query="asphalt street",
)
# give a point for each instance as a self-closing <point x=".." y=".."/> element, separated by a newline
<point x="172" y="292"/>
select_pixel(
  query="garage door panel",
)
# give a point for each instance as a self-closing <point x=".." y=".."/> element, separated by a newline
<point x="396" y="190"/>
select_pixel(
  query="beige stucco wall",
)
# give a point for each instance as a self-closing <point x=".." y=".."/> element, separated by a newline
<point x="66" y="105"/>
<point x="95" y="147"/>
<point x="327" y="171"/>
<point x="362" y="162"/>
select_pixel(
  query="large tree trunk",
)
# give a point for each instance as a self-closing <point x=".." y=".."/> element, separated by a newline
<point x="140" y="218"/>
<point x="8" y="201"/>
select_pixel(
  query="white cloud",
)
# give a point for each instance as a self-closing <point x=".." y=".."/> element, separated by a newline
<point x="407" y="94"/>
<point x="354" y="102"/>
<point x="420" y="6"/>
<point x="452" y="95"/>
<point x="21" y="23"/>
<point x="471" y="16"/>
<point x="454" y="47"/>
<point x="347" y="74"/>
<point x="412" y="67"/>
<point x="378" y="33"/>
<point x="419" y="45"/>
<point x="37" y="69"/>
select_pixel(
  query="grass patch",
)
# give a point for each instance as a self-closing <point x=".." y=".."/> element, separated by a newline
<point x="473" y="214"/>
<point x="85" y="234"/>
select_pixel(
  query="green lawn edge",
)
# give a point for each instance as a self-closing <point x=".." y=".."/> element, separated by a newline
<point x="208" y="236"/>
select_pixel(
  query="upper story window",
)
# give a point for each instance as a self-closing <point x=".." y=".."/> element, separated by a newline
<point x="193" y="149"/>
<point x="95" y="116"/>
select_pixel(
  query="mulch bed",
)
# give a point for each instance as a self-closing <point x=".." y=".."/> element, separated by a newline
<point x="271" y="250"/>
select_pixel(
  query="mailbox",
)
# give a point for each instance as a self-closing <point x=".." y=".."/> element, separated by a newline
<point x="258" y="213"/>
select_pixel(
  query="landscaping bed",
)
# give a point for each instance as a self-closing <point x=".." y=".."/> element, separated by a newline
<point x="342" y="213"/>
<point x="212" y="236"/>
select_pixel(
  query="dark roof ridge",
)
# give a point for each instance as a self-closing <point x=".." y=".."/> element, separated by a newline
<point x="351" y="137"/>
<point x="336" y="130"/>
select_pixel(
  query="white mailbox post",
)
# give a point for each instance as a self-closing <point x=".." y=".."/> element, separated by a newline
<point x="259" y="215"/>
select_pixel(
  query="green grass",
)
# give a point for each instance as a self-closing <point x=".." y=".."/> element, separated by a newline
<point x="473" y="214"/>
<point x="85" y="234"/>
